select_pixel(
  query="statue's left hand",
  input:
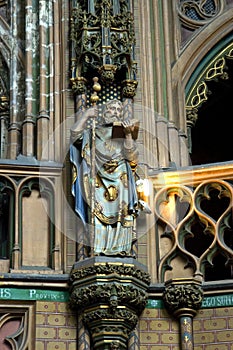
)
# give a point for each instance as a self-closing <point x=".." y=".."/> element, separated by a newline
<point x="128" y="127"/>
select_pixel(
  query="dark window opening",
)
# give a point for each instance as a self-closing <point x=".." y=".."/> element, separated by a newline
<point x="220" y="270"/>
<point x="199" y="241"/>
<point x="215" y="205"/>
<point x="212" y="135"/>
<point x="6" y="217"/>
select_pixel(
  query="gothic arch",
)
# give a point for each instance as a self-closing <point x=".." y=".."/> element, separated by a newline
<point x="195" y="51"/>
<point x="195" y="56"/>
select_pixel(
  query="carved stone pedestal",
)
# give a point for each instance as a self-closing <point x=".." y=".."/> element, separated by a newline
<point x="109" y="294"/>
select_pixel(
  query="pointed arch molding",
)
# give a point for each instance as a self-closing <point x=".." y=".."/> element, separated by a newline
<point x="198" y="90"/>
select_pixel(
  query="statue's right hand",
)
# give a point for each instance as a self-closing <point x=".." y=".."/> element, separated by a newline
<point x="79" y="126"/>
<point x="92" y="112"/>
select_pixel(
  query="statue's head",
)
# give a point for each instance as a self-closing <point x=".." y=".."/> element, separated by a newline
<point x="113" y="111"/>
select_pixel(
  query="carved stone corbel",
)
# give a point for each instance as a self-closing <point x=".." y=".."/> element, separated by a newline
<point x="109" y="296"/>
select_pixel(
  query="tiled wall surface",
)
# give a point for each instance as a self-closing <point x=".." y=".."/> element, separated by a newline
<point x="158" y="331"/>
<point x="55" y="326"/>
<point x="213" y="330"/>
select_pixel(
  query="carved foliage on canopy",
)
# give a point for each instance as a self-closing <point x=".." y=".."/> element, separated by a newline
<point x="103" y="40"/>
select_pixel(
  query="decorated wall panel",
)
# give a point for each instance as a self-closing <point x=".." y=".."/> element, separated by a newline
<point x="212" y="326"/>
<point x="35" y="233"/>
<point x="20" y="201"/>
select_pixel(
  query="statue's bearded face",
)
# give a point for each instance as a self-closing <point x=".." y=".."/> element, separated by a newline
<point x="113" y="112"/>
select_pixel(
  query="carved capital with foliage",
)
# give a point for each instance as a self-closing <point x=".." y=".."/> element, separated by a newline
<point x="183" y="297"/>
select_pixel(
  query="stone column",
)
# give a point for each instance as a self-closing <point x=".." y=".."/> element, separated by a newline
<point x="14" y="129"/>
<point x="31" y="85"/>
<point x="183" y="298"/>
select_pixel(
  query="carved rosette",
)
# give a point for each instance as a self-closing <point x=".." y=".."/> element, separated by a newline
<point x="110" y="297"/>
<point x="183" y="297"/>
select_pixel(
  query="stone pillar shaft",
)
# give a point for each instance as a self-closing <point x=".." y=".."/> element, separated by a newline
<point x="186" y="333"/>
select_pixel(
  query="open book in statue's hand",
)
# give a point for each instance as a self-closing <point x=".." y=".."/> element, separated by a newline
<point x="118" y="129"/>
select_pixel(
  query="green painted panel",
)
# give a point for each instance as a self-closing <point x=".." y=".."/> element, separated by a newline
<point x="154" y="304"/>
<point x="218" y="301"/>
<point x="33" y="294"/>
<point x="225" y="300"/>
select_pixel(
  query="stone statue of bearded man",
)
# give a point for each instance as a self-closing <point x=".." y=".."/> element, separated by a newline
<point x="115" y="194"/>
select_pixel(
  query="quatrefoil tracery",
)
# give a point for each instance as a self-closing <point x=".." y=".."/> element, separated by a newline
<point x="194" y="14"/>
